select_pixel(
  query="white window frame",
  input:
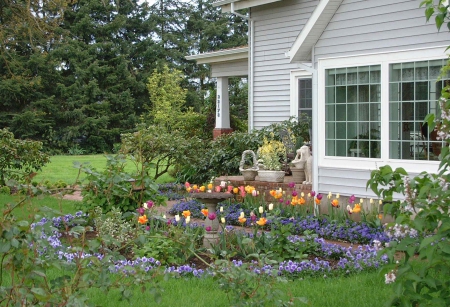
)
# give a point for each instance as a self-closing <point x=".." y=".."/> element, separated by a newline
<point x="295" y="76"/>
<point x="383" y="59"/>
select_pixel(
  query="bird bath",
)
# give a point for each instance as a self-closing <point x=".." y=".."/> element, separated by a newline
<point x="211" y="200"/>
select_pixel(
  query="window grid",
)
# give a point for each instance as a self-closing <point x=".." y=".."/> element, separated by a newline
<point x="413" y="93"/>
<point x="353" y="111"/>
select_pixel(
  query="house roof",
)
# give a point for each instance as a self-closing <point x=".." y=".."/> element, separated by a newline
<point x="313" y="29"/>
<point x="240" y="4"/>
<point x="225" y="55"/>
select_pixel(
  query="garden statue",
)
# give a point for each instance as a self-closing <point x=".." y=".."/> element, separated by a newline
<point x="303" y="160"/>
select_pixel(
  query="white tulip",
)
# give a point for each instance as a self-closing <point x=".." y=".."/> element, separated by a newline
<point x="177" y="218"/>
<point x="188" y="219"/>
<point x="270" y="207"/>
<point x="261" y="209"/>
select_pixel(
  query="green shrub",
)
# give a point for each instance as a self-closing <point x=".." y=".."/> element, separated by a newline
<point x="221" y="156"/>
<point x="19" y="159"/>
<point x="5" y="190"/>
<point x="117" y="232"/>
<point x="113" y="187"/>
<point x="425" y="207"/>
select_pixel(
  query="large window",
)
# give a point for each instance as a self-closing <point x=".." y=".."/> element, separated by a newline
<point x="413" y="93"/>
<point x="353" y="111"/>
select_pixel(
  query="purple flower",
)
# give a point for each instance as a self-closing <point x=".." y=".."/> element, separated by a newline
<point x="294" y="193"/>
<point x="287" y="202"/>
<point x="351" y="199"/>
<point x="313" y="193"/>
<point x="150" y="204"/>
<point x="147" y="228"/>
<point x="253" y="217"/>
<point x="141" y="211"/>
<point x="212" y="216"/>
<point x="291" y="185"/>
<point x="208" y="228"/>
<point x="319" y="196"/>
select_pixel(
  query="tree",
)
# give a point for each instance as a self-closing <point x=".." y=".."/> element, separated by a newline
<point x="101" y="88"/>
<point x="167" y="97"/>
<point x="28" y="30"/>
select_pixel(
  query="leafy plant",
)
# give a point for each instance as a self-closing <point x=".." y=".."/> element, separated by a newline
<point x="113" y="187"/>
<point x="27" y="268"/>
<point x="424" y="207"/>
<point x="117" y="232"/>
<point x="19" y="158"/>
<point x="271" y="153"/>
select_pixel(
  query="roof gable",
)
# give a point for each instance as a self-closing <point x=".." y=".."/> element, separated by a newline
<point x="313" y="29"/>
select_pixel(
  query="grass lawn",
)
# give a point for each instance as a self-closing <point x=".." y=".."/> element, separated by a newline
<point x="36" y="205"/>
<point x="62" y="168"/>
<point x="363" y="290"/>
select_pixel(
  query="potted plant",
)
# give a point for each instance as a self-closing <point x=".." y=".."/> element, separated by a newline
<point x="271" y="154"/>
<point x="248" y="170"/>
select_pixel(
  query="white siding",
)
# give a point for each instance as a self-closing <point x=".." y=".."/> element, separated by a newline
<point x="230" y="69"/>
<point x="362" y="27"/>
<point x="276" y="27"/>
<point x="371" y="26"/>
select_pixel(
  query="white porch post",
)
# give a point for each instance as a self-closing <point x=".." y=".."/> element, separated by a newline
<point x="222" y="108"/>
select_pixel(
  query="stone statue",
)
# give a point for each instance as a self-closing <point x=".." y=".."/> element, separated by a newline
<point x="308" y="170"/>
<point x="304" y="160"/>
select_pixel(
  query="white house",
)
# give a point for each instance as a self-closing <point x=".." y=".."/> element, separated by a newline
<point x="366" y="71"/>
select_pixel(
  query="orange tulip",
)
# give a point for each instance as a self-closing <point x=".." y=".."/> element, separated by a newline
<point x="143" y="219"/>
<point x="357" y="208"/>
<point x="317" y="201"/>
<point x="301" y="201"/>
<point x="380" y="216"/>
<point x="335" y="203"/>
<point x="273" y="193"/>
<point x="242" y="220"/>
<point x="205" y="212"/>
<point x="262" y="221"/>
<point x="202" y="188"/>
<point x="186" y="213"/>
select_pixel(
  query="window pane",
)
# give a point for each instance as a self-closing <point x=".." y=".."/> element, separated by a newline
<point x="330" y="148"/>
<point x="353" y="109"/>
<point x="413" y="93"/>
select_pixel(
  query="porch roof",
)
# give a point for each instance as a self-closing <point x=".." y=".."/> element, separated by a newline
<point x="225" y="55"/>
<point x="240" y="4"/>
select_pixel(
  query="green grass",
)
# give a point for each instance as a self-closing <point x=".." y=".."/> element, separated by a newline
<point x="62" y="168"/>
<point x="35" y="205"/>
<point x="363" y="290"/>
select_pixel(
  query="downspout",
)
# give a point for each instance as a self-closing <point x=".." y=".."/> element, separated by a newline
<point x="315" y="120"/>
<point x="250" y="34"/>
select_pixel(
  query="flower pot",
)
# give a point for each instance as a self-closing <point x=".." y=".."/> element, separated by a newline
<point x="298" y="175"/>
<point x="249" y="174"/>
<point x="271" y="176"/>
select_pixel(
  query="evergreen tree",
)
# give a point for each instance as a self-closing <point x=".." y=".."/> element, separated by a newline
<point x="101" y="91"/>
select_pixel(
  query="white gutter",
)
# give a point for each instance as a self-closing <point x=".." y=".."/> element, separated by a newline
<point x="251" y="74"/>
<point x="236" y="13"/>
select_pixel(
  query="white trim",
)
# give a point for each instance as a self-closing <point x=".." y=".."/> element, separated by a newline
<point x="314" y="27"/>
<point x="225" y="55"/>
<point x="239" y="5"/>
<point x="295" y="75"/>
<point x="383" y="59"/>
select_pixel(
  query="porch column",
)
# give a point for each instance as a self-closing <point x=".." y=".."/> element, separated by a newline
<point x="222" y="108"/>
